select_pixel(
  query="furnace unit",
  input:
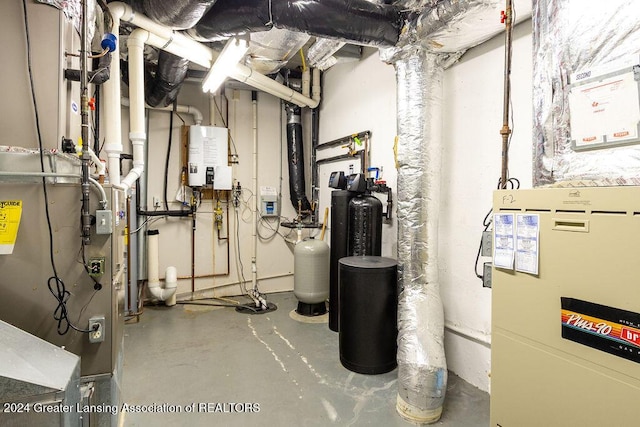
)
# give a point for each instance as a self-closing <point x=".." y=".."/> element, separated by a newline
<point x="565" y="345"/>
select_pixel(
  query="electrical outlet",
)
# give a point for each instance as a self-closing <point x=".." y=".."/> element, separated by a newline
<point x="96" y="326"/>
<point x="486" y="275"/>
<point x="96" y="266"/>
<point x="156" y="202"/>
<point x="487" y="243"/>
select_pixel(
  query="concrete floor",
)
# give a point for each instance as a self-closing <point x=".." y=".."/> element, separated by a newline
<point x="191" y="354"/>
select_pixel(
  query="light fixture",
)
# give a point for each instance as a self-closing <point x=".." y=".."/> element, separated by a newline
<point x="233" y="52"/>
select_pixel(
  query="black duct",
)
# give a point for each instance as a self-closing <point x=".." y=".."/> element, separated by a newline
<point x="163" y="89"/>
<point x="98" y="76"/>
<point x="295" y="156"/>
<point x="358" y="21"/>
<point x="177" y="14"/>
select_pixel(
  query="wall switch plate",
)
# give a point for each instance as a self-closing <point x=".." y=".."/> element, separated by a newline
<point x="486" y="275"/>
<point x="96" y="326"/>
<point x="104" y="222"/>
<point x="487" y="243"/>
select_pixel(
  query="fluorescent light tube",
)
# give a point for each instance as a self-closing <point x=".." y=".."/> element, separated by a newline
<point x="233" y="52"/>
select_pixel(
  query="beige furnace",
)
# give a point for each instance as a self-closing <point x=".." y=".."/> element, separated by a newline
<point x="566" y="312"/>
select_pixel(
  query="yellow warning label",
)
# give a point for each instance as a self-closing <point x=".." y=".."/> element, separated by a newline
<point x="10" y="213"/>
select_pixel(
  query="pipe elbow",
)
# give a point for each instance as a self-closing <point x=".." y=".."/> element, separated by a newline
<point x="197" y="114"/>
<point x="120" y="10"/>
<point x="138" y="38"/>
<point x="132" y="177"/>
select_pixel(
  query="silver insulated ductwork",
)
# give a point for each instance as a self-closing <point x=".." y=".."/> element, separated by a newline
<point x="437" y="36"/>
<point x="422" y="368"/>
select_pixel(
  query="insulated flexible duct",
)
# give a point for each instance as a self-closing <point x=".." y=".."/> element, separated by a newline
<point x="357" y="21"/>
<point x="179" y="15"/>
<point x="572" y="36"/>
<point x="296" y="159"/>
<point x="163" y="89"/>
<point x="422" y="369"/>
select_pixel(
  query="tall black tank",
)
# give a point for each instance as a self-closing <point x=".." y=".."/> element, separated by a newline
<point x="368" y="314"/>
<point x="339" y="248"/>
<point x="365" y="226"/>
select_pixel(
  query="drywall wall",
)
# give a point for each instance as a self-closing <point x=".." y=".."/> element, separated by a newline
<point x="473" y="91"/>
<point x="274" y="255"/>
<point x="361" y="96"/>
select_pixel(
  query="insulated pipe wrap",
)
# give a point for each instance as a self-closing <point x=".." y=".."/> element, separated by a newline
<point x="270" y="50"/>
<point x="296" y="158"/>
<point x="357" y="21"/>
<point x="571" y="36"/>
<point x="232" y="17"/>
<point x="179" y="15"/>
<point x="163" y="89"/>
<point x="422" y="369"/>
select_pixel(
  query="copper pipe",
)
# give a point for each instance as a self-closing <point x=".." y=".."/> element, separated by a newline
<point x="324" y="223"/>
<point x="505" y="131"/>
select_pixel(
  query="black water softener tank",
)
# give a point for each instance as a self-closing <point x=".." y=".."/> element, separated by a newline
<point x="368" y="314"/>
<point x="365" y="226"/>
<point x="339" y="245"/>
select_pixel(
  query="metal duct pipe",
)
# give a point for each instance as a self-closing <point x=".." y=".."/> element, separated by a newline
<point x="358" y="21"/>
<point x="295" y="156"/>
<point x="422" y="368"/>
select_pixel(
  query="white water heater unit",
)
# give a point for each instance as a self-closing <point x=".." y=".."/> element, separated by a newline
<point x="208" y="157"/>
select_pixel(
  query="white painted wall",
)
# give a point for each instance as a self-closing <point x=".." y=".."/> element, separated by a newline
<point x="473" y="91"/>
<point x="360" y="96"/>
<point x="274" y="256"/>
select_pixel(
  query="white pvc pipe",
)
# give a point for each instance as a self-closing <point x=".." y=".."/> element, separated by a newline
<point x="316" y="87"/>
<point x="180" y="108"/>
<point x="153" y="278"/>
<point x="137" y="133"/>
<point x="306" y="81"/>
<point x="191" y="49"/>
<point x="259" y="81"/>
<point x="171" y="285"/>
<point x="100" y="167"/>
<point x="112" y="115"/>
<point x="166" y="39"/>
